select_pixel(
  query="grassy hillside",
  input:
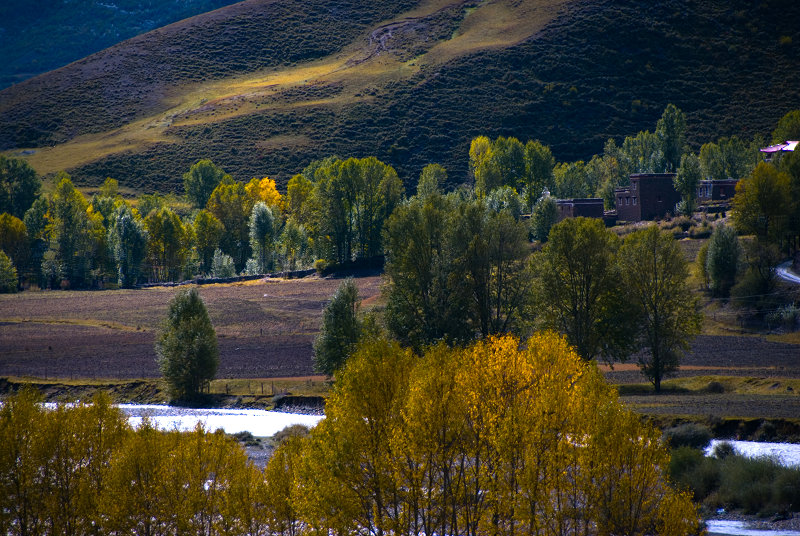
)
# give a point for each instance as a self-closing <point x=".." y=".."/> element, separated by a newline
<point x="40" y="35"/>
<point x="263" y="87"/>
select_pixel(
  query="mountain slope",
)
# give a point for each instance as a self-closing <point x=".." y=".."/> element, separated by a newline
<point x="40" y="35"/>
<point x="263" y="87"/>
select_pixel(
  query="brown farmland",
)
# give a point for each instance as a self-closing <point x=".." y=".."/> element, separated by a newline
<point x="265" y="329"/>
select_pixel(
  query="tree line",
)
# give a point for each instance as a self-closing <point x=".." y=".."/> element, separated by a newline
<point x="333" y="212"/>
<point x="490" y="438"/>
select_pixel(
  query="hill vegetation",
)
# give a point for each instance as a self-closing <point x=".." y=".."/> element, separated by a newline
<point x="266" y="87"/>
<point x="41" y="35"/>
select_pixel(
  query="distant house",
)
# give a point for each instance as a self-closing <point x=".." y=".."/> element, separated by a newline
<point x="649" y="197"/>
<point x="778" y="148"/>
<point x="719" y="190"/>
<point x="573" y="208"/>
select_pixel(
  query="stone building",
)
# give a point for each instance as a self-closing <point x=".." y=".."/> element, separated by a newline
<point x="649" y="197"/>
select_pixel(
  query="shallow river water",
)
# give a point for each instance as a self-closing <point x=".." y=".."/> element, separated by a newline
<point x="258" y="422"/>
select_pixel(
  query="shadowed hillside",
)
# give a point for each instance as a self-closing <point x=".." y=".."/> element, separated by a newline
<point x="264" y="87"/>
<point x="40" y="35"/>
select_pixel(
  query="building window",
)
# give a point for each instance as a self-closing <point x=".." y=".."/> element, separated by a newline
<point x="633" y="186"/>
<point x="659" y="198"/>
<point x="627" y="200"/>
<point x="722" y="191"/>
<point x="634" y="200"/>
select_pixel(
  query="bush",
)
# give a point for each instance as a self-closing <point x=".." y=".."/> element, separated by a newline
<point x="691" y="435"/>
<point x="748" y="484"/>
<point x="689" y="469"/>
<point x="703" y="230"/>
<point x="787" y="490"/>
<point x="787" y="317"/>
<point x="723" y="450"/>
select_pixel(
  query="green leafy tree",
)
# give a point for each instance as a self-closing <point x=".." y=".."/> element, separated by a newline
<point x="671" y="134"/>
<point x="127" y="238"/>
<point x="186" y="346"/>
<point x="686" y="181"/>
<point x="788" y="128"/>
<point x="654" y="271"/>
<point x="545" y="215"/>
<point x="222" y="265"/>
<point x="729" y="158"/>
<point x="36" y="222"/>
<point x="762" y="203"/>
<point x="262" y="236"/>
<point x="642" y="153"/>
<point x="299" y="199"/>
<point x="505" y="199"/>
<point x="167" y="246"/>
<point x="354" y="198"/>
<point x="539" y="164"/>
<point x="8" y="274"/>
<point x="231" y="204"/>
<point x="147" y="203"/>
<point x="69" y="256"/>
<point x="340" y="329"/>
<point x="579" y="291"/>
<point x="19" y="186"/>
<point x="14" y="240"/>
<point x="426" y="295"/>
<point x="491" y="253"/>
<point x="208" y="231"/>
<point x="571" y="180"/>
<point x="431" y="180"/>
<point x="201" y="179"/>
<point x="293" y="245"/>
<point x="722" y="260"/>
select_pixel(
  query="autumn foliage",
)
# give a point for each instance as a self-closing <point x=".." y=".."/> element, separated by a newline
<point x="490" y="439"/>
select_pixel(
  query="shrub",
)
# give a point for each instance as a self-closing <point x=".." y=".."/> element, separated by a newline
<point x="689" y="469"/>
<point x="748" y="483"/>
<point x="295" y="430"/>
<point x="691" y="435"/>
<point x="723" y="449"/>
<point x="787" y="490"/>
<point x="703" y="230"/>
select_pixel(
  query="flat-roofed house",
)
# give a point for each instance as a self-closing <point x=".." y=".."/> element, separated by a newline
<point x="649" y="197"/>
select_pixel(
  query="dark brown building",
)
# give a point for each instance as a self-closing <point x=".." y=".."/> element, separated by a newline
<point x="573" y="208"/>
<point x="721" y="190"/>
<point x="649" y="197"/>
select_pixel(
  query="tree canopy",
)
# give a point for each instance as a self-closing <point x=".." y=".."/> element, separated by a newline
<point x="667" y="314"/>
<point x="186" y="346"/>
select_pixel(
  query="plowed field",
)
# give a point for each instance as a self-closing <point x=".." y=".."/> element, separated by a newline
<point x="264" y="329"/>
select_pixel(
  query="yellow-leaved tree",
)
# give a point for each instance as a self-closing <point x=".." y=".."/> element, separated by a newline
<point x="497" y="438"/>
